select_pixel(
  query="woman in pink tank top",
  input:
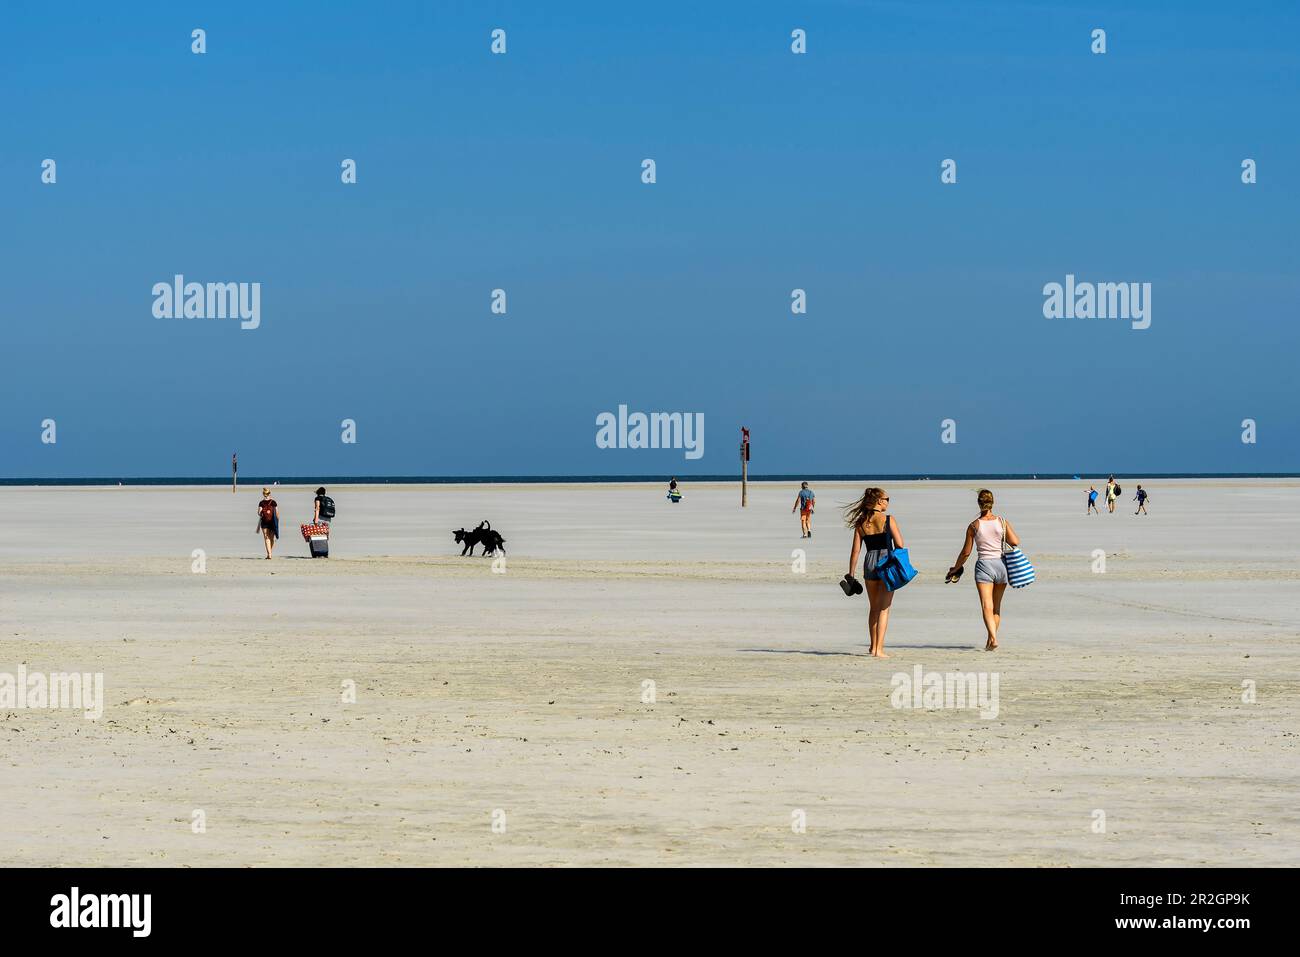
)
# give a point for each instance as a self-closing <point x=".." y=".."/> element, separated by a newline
<point x="986" y="536"/>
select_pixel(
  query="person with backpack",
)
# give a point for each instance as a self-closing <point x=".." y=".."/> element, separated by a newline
<point x="323" y="510"/>
<point x="268" y="521"/>
<point x="805" y="501"/>
<point x="1112" y="493"/>
<point x="1141" y="498"/>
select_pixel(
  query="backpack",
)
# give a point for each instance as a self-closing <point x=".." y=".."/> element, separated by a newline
<point x="327" y="510"/>
<point x="267" y="512"/>
<point x="1118" y="491"/>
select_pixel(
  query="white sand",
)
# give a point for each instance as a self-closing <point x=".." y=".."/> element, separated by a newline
<point x="522" y="691"/>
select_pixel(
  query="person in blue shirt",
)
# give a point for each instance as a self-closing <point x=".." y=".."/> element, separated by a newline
<point x="804" y="503"/>
<point x="1141" y="498"/>
<point x="1092" y="501"/>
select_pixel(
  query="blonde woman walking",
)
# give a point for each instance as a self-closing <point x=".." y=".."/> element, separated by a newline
<point x="986" y="536"/>
<point x="873" y="530"/>
<point x="268" y="520"/>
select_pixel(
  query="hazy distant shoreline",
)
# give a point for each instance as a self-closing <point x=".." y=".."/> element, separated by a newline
<point x="659" y="478"/>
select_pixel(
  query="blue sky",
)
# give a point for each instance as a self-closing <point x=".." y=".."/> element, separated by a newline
<point x="775" y="171"/>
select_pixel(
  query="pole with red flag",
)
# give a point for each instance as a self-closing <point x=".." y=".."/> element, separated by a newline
<point x="744" y="466"/>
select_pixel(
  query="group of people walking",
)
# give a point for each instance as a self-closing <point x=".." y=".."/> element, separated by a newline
<point x="1113" y="491"/>
<point x="876" y="534"/>
<point x="268" y="516"/>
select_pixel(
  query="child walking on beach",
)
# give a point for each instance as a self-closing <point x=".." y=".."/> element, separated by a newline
<point x="1141" y="498"/>
<point x="268" y="521"/>
<point x="873" y="530"/>
<point x="988" y="535"/>
<point x="1092" y="500"/>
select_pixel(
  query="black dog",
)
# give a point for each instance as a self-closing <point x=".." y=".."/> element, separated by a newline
<point x="492" y="541"/>
<point x="483" y="534"/>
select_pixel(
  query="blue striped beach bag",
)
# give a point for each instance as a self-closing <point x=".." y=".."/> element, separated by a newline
<point x="1019" y="571"/>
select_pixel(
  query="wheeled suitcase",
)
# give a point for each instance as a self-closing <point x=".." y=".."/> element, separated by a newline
<point x="317" y="537"/>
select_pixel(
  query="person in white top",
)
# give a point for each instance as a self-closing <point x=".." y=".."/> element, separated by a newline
<point x="986" y="536"/>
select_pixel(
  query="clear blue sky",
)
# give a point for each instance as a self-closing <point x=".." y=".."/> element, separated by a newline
<point x="522" y="171"/>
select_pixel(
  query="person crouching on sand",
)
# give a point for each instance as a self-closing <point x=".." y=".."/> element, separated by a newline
<point x="873" y="530"/>
<point x="268" y="520"/>
<point x="986" y="535"/>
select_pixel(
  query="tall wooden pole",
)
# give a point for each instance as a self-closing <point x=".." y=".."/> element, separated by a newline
<point x="744" y="466"/>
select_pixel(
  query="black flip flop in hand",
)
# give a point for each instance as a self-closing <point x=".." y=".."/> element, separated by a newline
<point x="850" y="586"/>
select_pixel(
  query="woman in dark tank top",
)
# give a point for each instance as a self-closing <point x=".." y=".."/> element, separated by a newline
<point x="873" y="530"/>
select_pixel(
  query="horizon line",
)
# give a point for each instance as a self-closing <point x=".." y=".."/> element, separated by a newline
<point x="640" y="478"/>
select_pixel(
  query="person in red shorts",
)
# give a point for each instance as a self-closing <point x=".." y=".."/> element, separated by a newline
<point x="804" y="503"/>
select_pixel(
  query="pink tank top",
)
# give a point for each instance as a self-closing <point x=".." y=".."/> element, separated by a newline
<point x="988" y="539"/>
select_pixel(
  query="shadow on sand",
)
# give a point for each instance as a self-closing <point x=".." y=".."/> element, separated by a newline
<point x="850" y="654"/>
<point x="934" y="647"/>
<point x="801" y="651"/>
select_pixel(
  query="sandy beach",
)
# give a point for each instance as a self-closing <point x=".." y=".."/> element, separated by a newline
<point x="520" y="690"/>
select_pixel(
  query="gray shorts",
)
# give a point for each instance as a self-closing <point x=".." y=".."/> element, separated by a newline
<point x="992" y="571"/>
<point x="874" y="558"/>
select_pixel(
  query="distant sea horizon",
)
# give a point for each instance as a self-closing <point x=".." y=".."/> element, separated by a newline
<point x="265" y="480"/>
